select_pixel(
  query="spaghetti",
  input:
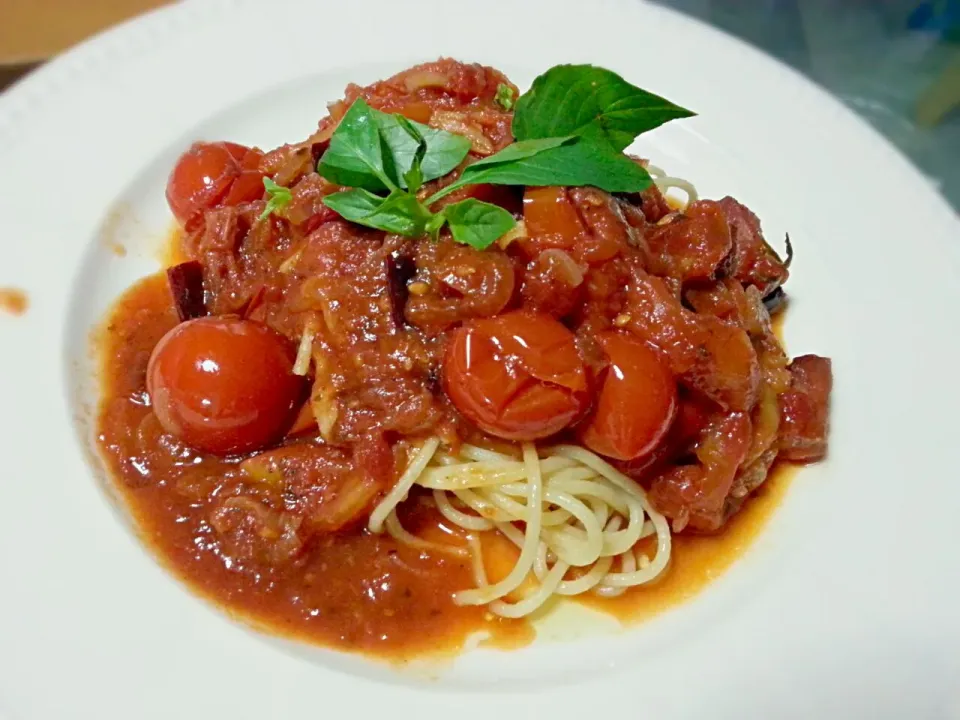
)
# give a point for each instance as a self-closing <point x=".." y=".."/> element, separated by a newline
<point x="582" y="521"/>
<point x="665" y="183"/>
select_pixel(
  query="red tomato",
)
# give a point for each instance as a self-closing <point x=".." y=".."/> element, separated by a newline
<point x="551" y="220"/>
<point x="212" y="174"/>
<point x="224" y="385"/>
<point x="516" y="376"/>
<point x="637" y="402"/>
<point x="580" y="221"/>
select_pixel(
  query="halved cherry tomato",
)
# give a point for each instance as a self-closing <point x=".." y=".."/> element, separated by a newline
<point x="580" y="221"/>
<point x="517" y="376"/>
<point x="551" y="220"/>
<point x="224" y="385"/>
<point x="637" y="402"/>
<point x="212" y="174"/>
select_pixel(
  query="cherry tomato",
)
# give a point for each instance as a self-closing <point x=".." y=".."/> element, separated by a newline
<point x="551" y="220"/>
<point x="224" y="385"/>
<point x="212" y="174"/>
<point x="637" y="401"/>
<point x="517" y="376"/>
<point x="580" y="221"/>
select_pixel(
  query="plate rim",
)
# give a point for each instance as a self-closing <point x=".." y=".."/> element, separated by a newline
<point x="81" y="60"/>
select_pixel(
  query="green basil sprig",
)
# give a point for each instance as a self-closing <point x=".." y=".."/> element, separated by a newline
<point x="571" y="129"/>
<point x="504" y="97"/>
<point x="278" y="197"/>
<point x="372" y="152"/>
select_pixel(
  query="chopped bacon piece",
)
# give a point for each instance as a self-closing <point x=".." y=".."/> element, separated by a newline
<point x="654" y="205"/>
<point x="710" y="355"/>
<point x="727" y="369"/>
<point x="751" y="476"/>
<point x="651" y="201"/>
<point x="552" y="284"/>
<point x="691" y="246"/>
<point x="322" y="483"/>
<point x="306" y="209"/>
<point x="237" y="252"/>
<point x="693" y="495"/>
<point x="804" y="409"/>
<point x="751" y="261"/>
<point x="250" y="532"/>
<point x="656" y="315"/>
<point x="455" y="283"/>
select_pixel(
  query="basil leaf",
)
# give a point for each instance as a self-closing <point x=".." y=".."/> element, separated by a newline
<point x="399" y="213"/>
<point x="476" y="223"/>
<point x="278" y="197"/>
<point x="444" y="151"/>
<point x="520" y="151"/>
<point x="577" y="163"/>
<point x="353" y="204"/>
<point x="505" y="96"/>
<point x="432" y="228"/>
<point x="355" y="156"/>
<point x="413" y="178"/>
<point x="509" y="156"/>
<point x="589" y="101"/>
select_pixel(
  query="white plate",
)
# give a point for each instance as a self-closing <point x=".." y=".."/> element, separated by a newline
<point x="845" y="607"/>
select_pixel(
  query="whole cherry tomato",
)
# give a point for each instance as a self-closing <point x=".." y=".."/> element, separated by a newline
<point x="637" y="401"/>
<point x="224" y="385"/>
<point x="517" y="376"/>
<point x="213" y="174"/>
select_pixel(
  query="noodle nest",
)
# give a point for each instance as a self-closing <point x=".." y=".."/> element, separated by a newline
<point x="575" y="519"/>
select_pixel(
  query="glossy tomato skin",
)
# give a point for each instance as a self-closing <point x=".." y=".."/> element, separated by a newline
<point x="637" y="401"/>
<point x="213" y="174"/>
<point x="517" y="376"/>
<point x="224" y="385"/>
<point x="579" y="221"/>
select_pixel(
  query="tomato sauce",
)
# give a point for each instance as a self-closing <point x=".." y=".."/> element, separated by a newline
<point x="260" y="399"/>
<point x="353" y="591"/>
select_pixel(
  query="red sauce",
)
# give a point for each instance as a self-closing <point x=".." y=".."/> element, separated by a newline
<point x="353" y="591"/>
<point x="549" y="326"/>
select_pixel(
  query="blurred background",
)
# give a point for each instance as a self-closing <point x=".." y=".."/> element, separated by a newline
<point x="894" y="62"/>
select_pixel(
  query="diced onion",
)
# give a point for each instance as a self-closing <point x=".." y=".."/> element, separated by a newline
<point x="259" y="468"/>
<point x="323" y="394"/>
<point x="301" y="365"/>
<point x="290" y="263"/>
<point x="517" y="232"/>
<point x="424" y="79"/>
<point x="456" y="122"/>
<point x="325" y="410"/>
<point x="569" y="271"/>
